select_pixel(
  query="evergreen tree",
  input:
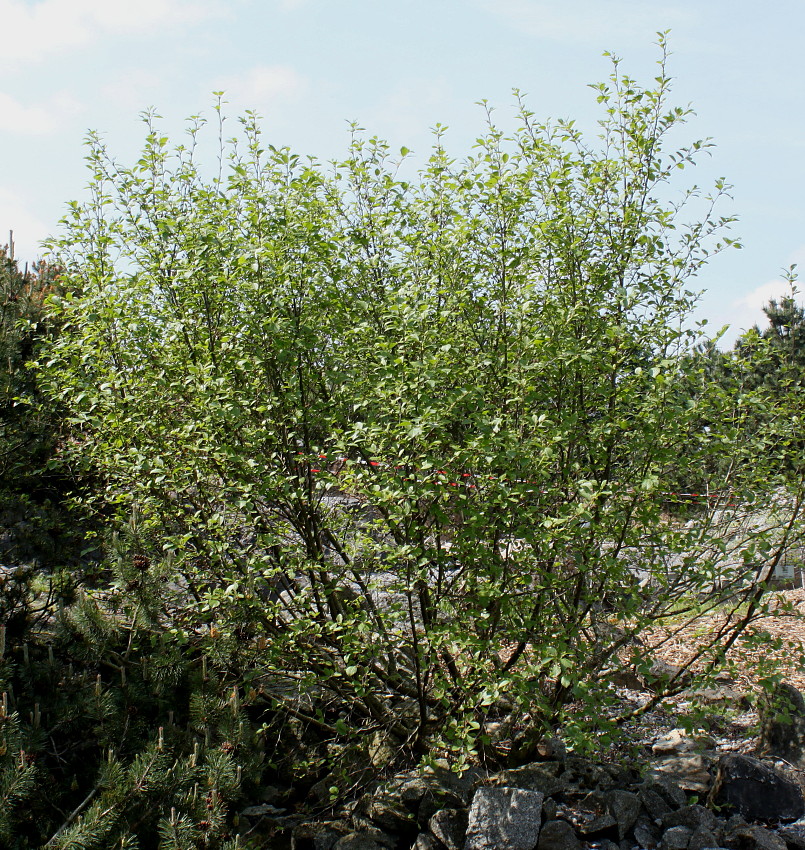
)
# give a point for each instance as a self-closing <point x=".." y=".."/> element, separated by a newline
<point x="782" y="343"/>
<point x="39" y="527"/>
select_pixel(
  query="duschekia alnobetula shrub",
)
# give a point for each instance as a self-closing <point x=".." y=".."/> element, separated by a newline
<point x="403" y="443"/>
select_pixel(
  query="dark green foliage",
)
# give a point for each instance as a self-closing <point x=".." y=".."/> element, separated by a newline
<point x="777" y="352"/>
<point x="110" y="738"/>
<point x="38" y="525"/>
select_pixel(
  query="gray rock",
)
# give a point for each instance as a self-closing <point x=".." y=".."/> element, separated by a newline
<point x="392" y="816"/>
<point x="625" y="807"/>
<point x="654" y="803"/>
<point x="692" y="817"/>
<point x="646" y="833"/>
<point x="689" y="771"/>
<point x="598" y="827"/>
<point x="753" y="838"/>
<point x="531" y="777"/>
<point x="793" y="835"/>
<point x="450" y="827"/>
<point x="426" y="842"/>
<point x="558" y="835"/>
<point x="504" y="819"/>
<point x="318" y="836"/>
<point x="675" y="838"/>
<point x="702" y="838"/>
<point x="363" y="841"/>
<point x="756" y="790"/>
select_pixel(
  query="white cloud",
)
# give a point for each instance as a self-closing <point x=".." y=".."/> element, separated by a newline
<point x="406" y="112"/>
<point x="36" y="119"/>
<point x="33" y="31"/>
<point x="135" y="89"/>
<point x="589" y="21"/>
<point x="29" y="230"/>
<point x="262" y="86"/>
<point x="747" y="311"/>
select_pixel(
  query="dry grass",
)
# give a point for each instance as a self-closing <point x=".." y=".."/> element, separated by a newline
<point x="749" y="660"/>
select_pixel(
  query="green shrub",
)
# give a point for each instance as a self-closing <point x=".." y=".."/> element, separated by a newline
<point x="402" y="443"/>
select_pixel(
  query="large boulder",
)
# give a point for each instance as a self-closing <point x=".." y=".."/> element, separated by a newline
<point x="504" y="819"/>
<point x="756" y="790"/>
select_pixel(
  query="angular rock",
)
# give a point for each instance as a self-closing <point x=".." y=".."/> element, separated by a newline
<point x="646" y="833"/>
<point x="681" y="741"/>
<point x="599" y="827"/>
<point x="782" y="724"/>
<point x="450" y="827"/>
<point x="702" y="838"/>
<point x="675" y="838"/>
<point x="318" y="836"/>
<point x="625" y="807"/>
<point x="753" y="838"/>
<point x="756" y="790"/>
<point x="654" y="803"/>
<point x="426" y="842"/>
<point x="558" y="835"/>
<point x="689" y="771"/>
<point x="364" y="841"/>
<point x="504" y="819"/>
<point x="793" y="835"/>
<point x="392" y="816"/>
<point x="531" y="777"/>
<point x="693" y="817"/>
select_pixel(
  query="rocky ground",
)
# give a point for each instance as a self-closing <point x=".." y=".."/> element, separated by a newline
<point x="737" y="784"/>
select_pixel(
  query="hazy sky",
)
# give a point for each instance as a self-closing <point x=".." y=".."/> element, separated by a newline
<point x="309" y="66"/>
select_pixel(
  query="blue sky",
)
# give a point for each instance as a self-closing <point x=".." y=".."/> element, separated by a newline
<point x="310" y="66"/>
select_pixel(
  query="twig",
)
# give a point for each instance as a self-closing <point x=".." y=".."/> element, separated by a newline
<point x="73" y="815"/>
